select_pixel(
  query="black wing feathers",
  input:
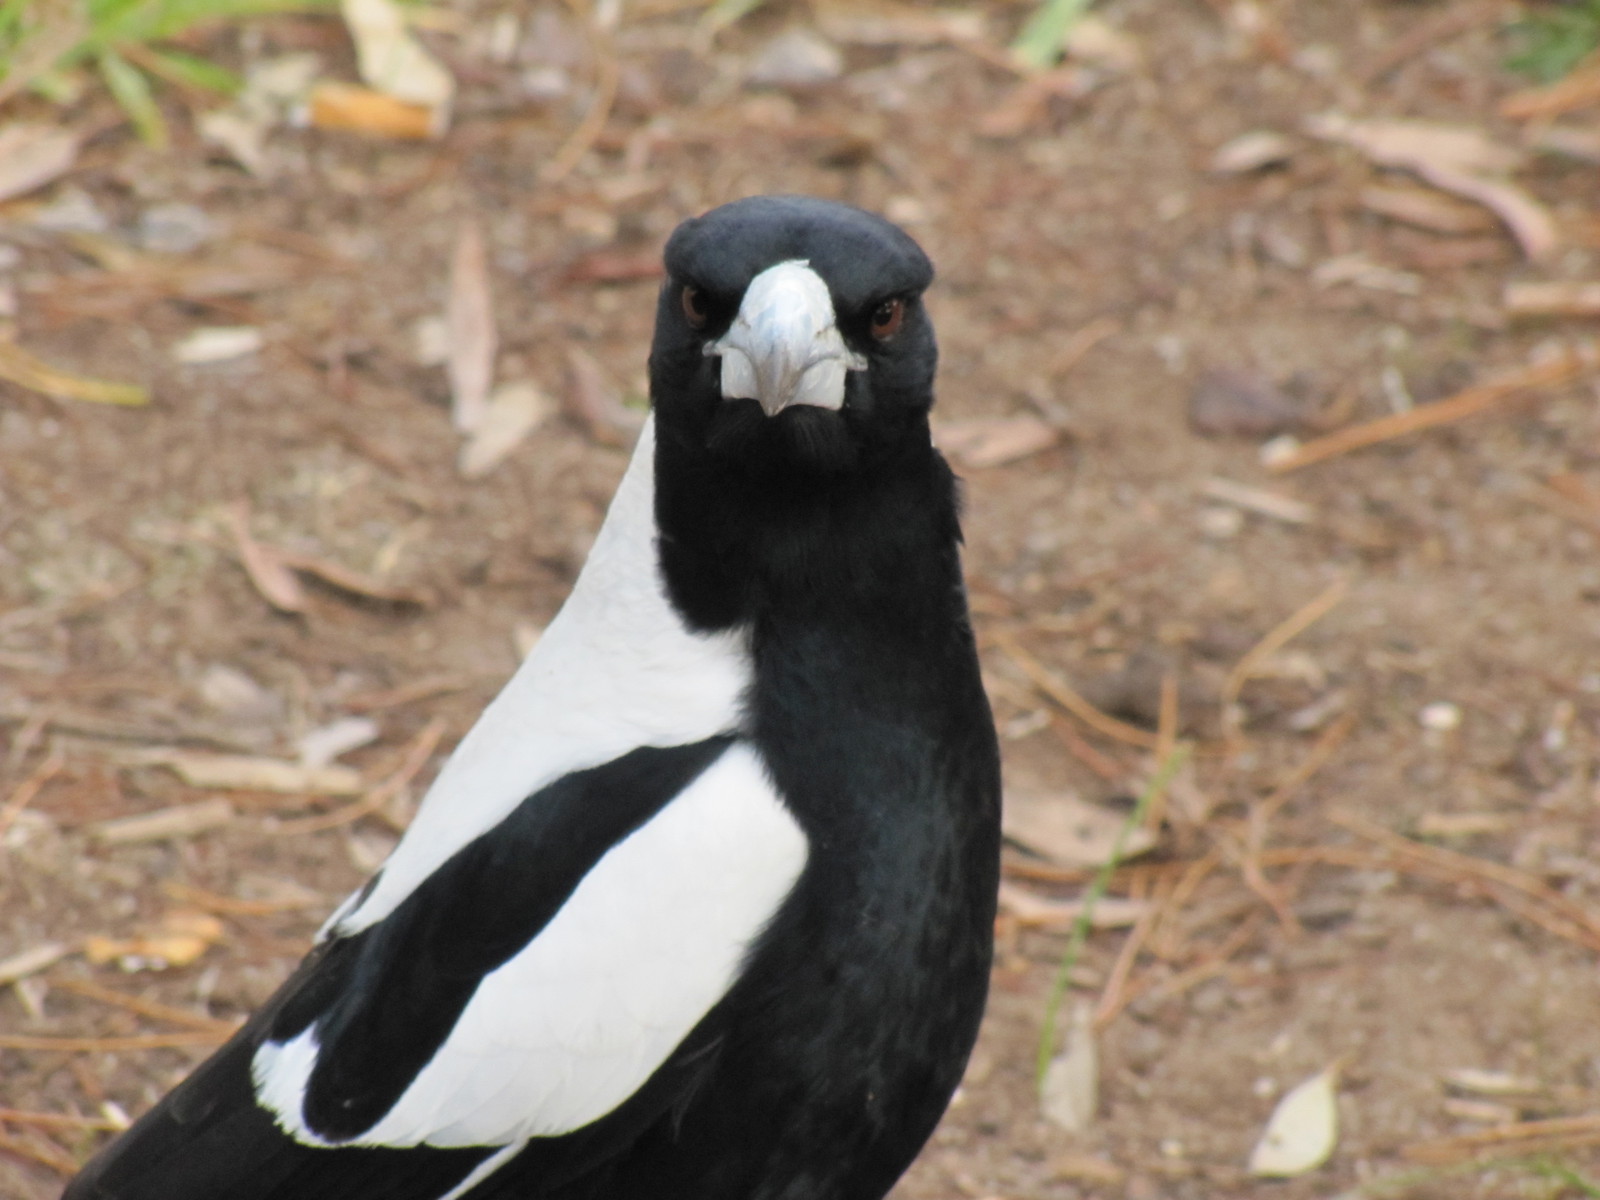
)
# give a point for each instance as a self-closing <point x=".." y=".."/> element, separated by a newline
<point x="385" y="1000"/>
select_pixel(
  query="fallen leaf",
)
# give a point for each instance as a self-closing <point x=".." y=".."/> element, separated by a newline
<point x="32" y="155"/>
<point x="1069" y="1094"/>
<point x="994" y="441"/>
<point x="322" y="745"/>
<point x="470" y="321"/>
<point x="356" y="109"/>
<point x="31" y="962"/>
<point x="798" y="58"/>
<point x="1490" y="1083"/>
<point x="1045" y="912"/>
<point x="1252" y="151"/>
<point x="23" y="369"/>
<point x="1453" y="158"/>
<point x="356" y="583"/>
<point x="1554" y="298"/>
<point x="178" y="939"/>
<point x="513" y="412"/>
<point x="217" y="344"/>
<point x="265" y="566"/>
<point x="595" y="404"/>
<point x="1067" y="831"/>
<point x="1303" y="1130"/>
<point x="179" y="821"/>
<point x="391" y="60"/>
<point x="245" y="773"/>
<point x="1426" y="210"/>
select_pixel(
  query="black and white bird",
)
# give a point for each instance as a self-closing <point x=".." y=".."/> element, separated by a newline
<point x="702" y="908"/>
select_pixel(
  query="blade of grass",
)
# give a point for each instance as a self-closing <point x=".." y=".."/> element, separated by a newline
<point x="1039" y="44"/>
<point x="186" y="70"/>
<point x="131" y="90"/>
<point x="1165" y="773"/>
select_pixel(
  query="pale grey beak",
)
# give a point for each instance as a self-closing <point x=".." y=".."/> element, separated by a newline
<point x="784" y="347"/>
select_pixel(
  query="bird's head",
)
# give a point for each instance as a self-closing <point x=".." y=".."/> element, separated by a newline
<point x="791" y="335"/>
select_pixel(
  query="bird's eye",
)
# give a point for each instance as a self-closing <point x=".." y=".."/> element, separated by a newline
<point x="695" y="310"/>
<point x="886" y="319"/>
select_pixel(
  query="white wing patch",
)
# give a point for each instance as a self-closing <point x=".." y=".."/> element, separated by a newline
<point x="616" y="669"/>
<point x="568" y="1029"/>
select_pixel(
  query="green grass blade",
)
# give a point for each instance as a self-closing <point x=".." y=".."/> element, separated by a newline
<point x="725" y="12"/>
<point x="1164" y="776"/>
<point x="131" y="89"/>
<point x="187" y="70"/>
<point x="1039" y="44"/>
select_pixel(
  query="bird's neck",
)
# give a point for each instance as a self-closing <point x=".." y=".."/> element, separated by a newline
<point x="871" y="549"/>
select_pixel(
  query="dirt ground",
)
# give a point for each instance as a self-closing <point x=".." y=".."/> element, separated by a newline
<point x="1093" y="271"/>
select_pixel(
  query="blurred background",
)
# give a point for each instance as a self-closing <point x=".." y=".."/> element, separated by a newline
<point x="1268" y="362"/>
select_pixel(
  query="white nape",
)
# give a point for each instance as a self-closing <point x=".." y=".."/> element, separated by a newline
<point x="617" y="669"/>
<point x="564" y="1032"/>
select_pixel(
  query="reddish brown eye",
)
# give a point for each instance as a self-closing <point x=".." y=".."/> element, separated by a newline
<point x="694" y="307"/>
<point x="886" y="319"/>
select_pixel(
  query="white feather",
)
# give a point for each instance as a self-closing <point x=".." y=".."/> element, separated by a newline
<point x="568" y="1029"/>
<point x="616" y="669"/>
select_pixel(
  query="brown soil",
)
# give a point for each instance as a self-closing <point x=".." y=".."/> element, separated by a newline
<point x="1470" y="582"/>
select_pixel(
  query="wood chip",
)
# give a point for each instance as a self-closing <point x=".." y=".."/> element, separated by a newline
<point x="1303" y="1129"/>
<point x="355" y="583"/>
<point x="218" y="344"/>
<point x="473" y="339"/>
<point x="179" y="821"/>
<point x="237" y="772"/>
<point x="180" y="938"/>
<point x="1467" y="824"/>
<point x="356" y="109"/>
<point x="1491" y="1083"/>
<point x="1259" y="501"/>
<point x="1252" y="151"/>
<point x="394" y="62"/>
<point x="993" y="442"/>
<point x="1553" y="298"/>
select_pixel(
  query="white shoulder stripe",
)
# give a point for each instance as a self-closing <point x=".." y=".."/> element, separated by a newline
<point x="568" y="1029"/>
<point x="616" y="669"/>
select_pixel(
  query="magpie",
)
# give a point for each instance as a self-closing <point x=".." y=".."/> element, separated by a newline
<point x="702" y="907"/>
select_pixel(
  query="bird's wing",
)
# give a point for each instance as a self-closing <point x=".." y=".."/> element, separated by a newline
<point x="540" y="976"/>
<point x="528" y="988"/>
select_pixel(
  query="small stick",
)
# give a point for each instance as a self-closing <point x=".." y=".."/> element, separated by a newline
<point x="145" y="1008"/>
<point x="1297" y="623"/>
<point x="1552" y="1134"/>
<point x="1427" y="416"/>
<point x="46" y="1120"/>
<point x="233" y="906"/>
<point x="26" y="791"/>
<point x="1102" y="765"/>
<point x="416" y="758"/>
<point x="1214" y="963"/>
<point x="40" y="1150"/>
<point x="1114" y="996"/>
<point x="114" y="1045"/>
<point x="588" y="130"/>
<point x="1081" y="342"/>
<point x="1166" y="742"/>
<point x="1053" y="686"/>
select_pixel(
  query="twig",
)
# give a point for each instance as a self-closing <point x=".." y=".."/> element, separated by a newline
<point x="145" y="1008"/>
<point x="114" y="1045"/>
<point x="1427" y="32"/>
<point x="1556" y="1133"/>
<point x="1096" y="890"/>
<point x="46" y="1120"/>
<point x="234" y="906"/>
<point x="1102" y="765"/>
<point x="416" y="758"/>
<point x="1114" y="996"/>
<point x="40" y="1150"/>
<point x="26" y="791"/>
<point x="1053" y="686"/>
<point x="1441" y="412"/>
<point x="1580" y="88"/>
<point x="588" y="130"/>
<point x="1297" y="623"/>
<point x="1082" y="341"/>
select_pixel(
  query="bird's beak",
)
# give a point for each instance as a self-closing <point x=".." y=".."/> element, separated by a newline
<point x="784" y="347"/>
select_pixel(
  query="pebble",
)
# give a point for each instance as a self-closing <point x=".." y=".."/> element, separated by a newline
<point x="1441" y="716"/>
